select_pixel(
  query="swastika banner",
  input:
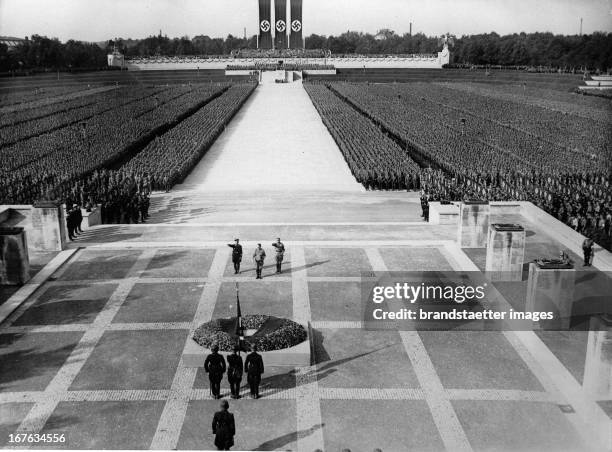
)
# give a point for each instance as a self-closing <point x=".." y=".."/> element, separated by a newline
<point x="280" y="24"/>
<point x="296" y="41"/>
<point x="265" y="24"/>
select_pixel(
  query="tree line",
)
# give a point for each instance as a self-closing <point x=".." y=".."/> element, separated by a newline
<point x="593" y="51"/>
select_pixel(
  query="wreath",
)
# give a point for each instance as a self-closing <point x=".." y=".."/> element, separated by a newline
<point x="272" y="333"/>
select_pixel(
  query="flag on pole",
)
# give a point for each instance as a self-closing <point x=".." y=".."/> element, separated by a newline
<point x="239" y="329"/>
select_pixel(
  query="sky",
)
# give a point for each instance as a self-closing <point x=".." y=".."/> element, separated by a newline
<point x="99" y="20"/>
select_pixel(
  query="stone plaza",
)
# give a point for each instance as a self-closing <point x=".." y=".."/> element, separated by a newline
<point x="92" y="345"/>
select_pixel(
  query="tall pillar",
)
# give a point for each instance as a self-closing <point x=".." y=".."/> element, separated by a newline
<point x="473" y="224"/>
<point x="551" y="289"/>
<point x="14" y="259"/>
<point x="505" y="252"/>
<point x="48" y="231"/>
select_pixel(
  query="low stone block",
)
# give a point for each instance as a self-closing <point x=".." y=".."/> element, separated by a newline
<point x="551" y="289"/>
<point x="473" y="224"/>
<point x="14" y="259"/>
<point x="443" y="213"/>
<point x="505" y="252"/>
<point x="48" y="230"/>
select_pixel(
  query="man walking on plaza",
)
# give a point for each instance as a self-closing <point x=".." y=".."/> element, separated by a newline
<point x="587" y="250"/>
<point x="236" y="255"/>
<point x="214" y="365"/>
<point x="254" y="367"/>
<point x="280" y="254"/>
<point x="224" y="427"/>
<point x="234" y="372"/>
<point x="259" y="255"/>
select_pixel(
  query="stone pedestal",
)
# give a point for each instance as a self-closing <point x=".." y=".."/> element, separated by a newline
<point x="551" y="289"/>
<point x="505" y="252"/>
<point x="598" y="366"/>
<point x="48" y="231"/>
<point x="473" y="224"/>
<point x="443" y="213"/>
<point x="14" y="260"/>
<point x="91" y="219"/>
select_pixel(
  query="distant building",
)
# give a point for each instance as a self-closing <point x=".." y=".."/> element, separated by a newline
<point x="383" y="34"/>
<point x="10" y="41"/>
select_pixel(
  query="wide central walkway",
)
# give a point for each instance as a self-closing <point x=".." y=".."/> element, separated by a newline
<point x="276" y="141"/>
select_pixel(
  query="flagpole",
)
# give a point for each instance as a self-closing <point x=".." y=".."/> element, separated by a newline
<point x="240" y="330"/>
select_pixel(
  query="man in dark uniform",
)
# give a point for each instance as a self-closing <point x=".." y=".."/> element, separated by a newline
<point x="280" y="254"/>
<point x="224" y="427"/>
<point x="78" y="219"/>
<point x="214" y="365"/>
<point x="587" y="250"/>
<point x="234" y="372"/>
<point x="236" y="255"/>
<point x="259" y="256"/>
<point x="254" y="367"/>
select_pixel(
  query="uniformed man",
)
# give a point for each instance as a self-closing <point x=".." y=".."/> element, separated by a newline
<point x="587" y="250"/>
<point x="280" y="254"/>
<point x="214" y="365"/>
<point x="254" y="367"/>
<point x="234" y="372"/>
<point x="224" y="427"/>
<point x="236" y="255"/>
<point x="259" y="256"/>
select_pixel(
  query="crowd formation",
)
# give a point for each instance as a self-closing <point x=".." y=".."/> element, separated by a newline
<point x="472" y="147"/>
<point x="375" y="159"/>
<point x="45" y="166"/>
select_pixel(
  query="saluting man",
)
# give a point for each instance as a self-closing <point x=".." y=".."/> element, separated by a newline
<point x="259" y="255"/>
<point x="280" y="254"/>
<point x="236" y="255"/>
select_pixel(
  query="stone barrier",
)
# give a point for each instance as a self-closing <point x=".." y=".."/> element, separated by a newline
<point x="14" y="259"/>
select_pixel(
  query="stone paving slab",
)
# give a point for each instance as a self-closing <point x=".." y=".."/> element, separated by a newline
<point x="407" y="425"/>
<point x="355" y="358"/>
<point x="11" y="415"/>
<point x="520" y="426"/>
<point x="414" y="259"/>
<point x="260" y="425"/>
<point x="101" y="264"/>
<point x="28" y="362"/>
<point x="183" y="263"/>
<point x="105" y="425"/>
<point x="256" y="297"/>
<point x="477" y="359"/>
<point x="336" y="261"/>
<point x="132" y="360"/>
<point x="335" y="301"/>
<point x="62" y="305"/>
<point x="160" y="302"/>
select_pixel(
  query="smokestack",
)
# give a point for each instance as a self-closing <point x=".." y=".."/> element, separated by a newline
<point x="410" y="29"/>
<point x="581" y="26"/>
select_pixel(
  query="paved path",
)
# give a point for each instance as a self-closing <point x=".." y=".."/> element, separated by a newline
<point x="277" y="140"/>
